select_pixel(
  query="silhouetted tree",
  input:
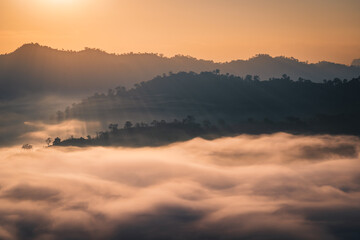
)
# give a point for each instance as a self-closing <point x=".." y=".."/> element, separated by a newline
<point x="337" y="82"/>
<point x="128" y="125"/>
<point x="57" y="141"/>
<point x="154" y="123"/>
<point x="27" y="146"/>
<point x="120" y="90"/>
<point x="48" y="141"/>
<point x="285" y="77"/>
<point x="248" y="78"/>
<point x="113" y="127"/>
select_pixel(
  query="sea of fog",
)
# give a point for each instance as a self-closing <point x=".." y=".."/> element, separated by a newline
<point x="278" y="186"/>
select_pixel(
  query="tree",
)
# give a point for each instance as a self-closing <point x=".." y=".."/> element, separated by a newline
<point x="48" y="141"/>
<point x="113" y="127"/>
<point x="154" y="123"/>
<point x="285" y="77"/>
<point x="27" y="146"/>
<point x="337" y="82"/>
<point x="57" y="141"/>
<point x="128" y="125"/>
<point x="120" y="90"/>
<point x="248" y="78"/>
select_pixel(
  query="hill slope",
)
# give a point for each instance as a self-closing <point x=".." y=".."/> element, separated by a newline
<point x="211" y="96"/>
<point x="37" y="69"/>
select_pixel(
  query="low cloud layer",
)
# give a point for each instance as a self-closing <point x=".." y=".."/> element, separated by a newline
<point x="277" y="186"/>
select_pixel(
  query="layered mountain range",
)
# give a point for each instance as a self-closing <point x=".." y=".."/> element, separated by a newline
<point x="35" y="69"/>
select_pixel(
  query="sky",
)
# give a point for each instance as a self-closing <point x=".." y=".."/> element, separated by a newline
<point x="219" y="30"/>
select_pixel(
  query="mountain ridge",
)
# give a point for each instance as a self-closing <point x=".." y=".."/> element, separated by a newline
<point x="36" y="69"/>
<point x="36" y="46"/>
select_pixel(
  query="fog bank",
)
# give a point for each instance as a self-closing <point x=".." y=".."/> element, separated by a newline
<point x="277" y="186"/>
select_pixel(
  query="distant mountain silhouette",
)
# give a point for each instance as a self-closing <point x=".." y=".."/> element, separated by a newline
<point x="34" y="69"/>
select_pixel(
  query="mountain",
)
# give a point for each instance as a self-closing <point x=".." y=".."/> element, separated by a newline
<point x="35" y="69"/>
<point x="212" y="96"/>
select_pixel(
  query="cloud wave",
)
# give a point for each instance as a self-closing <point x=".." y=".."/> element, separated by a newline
<point x="276" y="186"/>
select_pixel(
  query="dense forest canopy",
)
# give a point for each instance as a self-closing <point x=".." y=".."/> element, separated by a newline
<point x="223" y="105"/>
<point x="211" y="95"/>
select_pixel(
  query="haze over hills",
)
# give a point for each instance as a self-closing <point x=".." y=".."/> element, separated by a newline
<point x="36" y="81"/>
<point x="212" y="96"/>
<point x="37" y="69"/>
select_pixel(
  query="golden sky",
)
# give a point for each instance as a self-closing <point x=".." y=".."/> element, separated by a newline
<point x="220" y="30"/>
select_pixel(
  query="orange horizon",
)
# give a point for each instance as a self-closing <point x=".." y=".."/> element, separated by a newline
<point x="217" y="30"/>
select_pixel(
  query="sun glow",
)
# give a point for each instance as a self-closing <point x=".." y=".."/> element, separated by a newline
<point x="67" y="4"/>
<point x="64" y="2"/>
<point x="188" y="27"/>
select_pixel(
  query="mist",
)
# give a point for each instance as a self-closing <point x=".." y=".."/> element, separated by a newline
<point x="179" y="120"/>
<point x="23" y="116"/>
<point x="277" y="186"/>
